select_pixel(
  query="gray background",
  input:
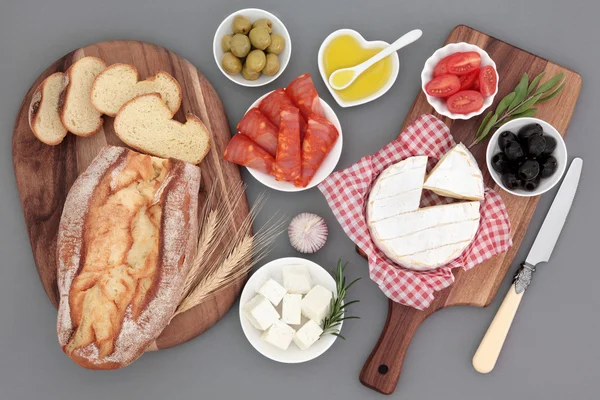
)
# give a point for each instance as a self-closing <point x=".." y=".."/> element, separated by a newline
<point x="553" y="347"/>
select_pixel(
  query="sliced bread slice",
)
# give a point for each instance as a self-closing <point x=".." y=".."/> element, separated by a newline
<point x="145" y="124"/>
<point x="77" y="113"/>
<point x="44" y="119"/>
<point x="119" y="83"/>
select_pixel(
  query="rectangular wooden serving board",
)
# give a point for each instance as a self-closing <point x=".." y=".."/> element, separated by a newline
<point x="478" y="286"/>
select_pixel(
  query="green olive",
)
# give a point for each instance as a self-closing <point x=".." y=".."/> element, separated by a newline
<point x="277" y="44"/>
<point x="241" y="24"/>
<point x="272" y="65"/>
<point x="231" y="64"/>
<point x="249" y="75"/>
<point x="260" y="38"/>
<point x="256" y="61"/>
<point x="240" y="45"/>
<point x="226" y="43"/>
<point x="265" y="23"/>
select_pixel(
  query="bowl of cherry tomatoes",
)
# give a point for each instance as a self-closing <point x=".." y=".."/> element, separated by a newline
<point x="460" y="80"/>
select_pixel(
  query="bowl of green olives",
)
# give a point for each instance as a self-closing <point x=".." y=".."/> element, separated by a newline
<point x="252" y="47"/>
<point x="526" y="157"/>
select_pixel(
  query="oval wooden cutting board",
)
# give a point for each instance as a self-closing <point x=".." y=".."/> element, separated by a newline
<point x="45" y="173"/>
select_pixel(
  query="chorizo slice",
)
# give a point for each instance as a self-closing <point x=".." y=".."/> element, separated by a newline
<point x="259" y="129"/>
<point x="243" y="151"/>
<point x="320" y="138"/>
<point x="303" y="93"/>
<point x="271" y="105"/>
<point x="288" y="161"/>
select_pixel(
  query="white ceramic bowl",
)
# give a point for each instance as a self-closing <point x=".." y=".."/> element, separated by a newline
<point x="439" y="104"/>
<point x="366" y="44"/>
<point x="253" y="14"/>
<point x="324" y="170"/>
<point x="560" y="153"/>
<point x="274" y="270"/>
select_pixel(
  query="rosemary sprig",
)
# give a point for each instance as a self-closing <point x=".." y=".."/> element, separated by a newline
<point x="519" y="103"/>
<point x="337" y="306"/>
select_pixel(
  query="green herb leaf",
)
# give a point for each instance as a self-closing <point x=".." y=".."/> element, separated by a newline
<point x="535" y="82"/>
<point x="483" y="123"/>
<point x="491" y="122"/>
<point x="504" y="103"/>
<point x="528" y="103"/>
<point x="520" y="92"/>
<point x="550" y="83"/>
<point x="529" y="113"/>
<point x="552" y="95"/>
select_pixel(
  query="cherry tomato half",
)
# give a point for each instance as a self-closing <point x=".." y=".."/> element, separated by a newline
<point x="443" y="86"/>
<point x="487" y="80"/>
<point x="468" y="81"/>
<point x="442" y="67"/>
<point x="464" y="63"/>
<point x="465" y="102"/>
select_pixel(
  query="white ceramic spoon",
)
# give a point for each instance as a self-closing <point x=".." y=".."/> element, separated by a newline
<point x="345" y="76"/>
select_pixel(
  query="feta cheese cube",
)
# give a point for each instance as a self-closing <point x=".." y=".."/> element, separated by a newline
<point x="272" y="291"/>
<point x="291" y="311"/>
<point x="279" y="335"/>
<point x="297" y="279"/>
<point x="260" y="312"/>
<point x="307" y="335"/>
<point x="315" y="305"/>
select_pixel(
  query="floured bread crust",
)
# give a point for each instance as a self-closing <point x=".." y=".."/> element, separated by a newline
<point x="126" y="239"/>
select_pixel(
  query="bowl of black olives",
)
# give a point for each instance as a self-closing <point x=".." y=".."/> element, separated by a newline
<point x="252" y="47"/>
<point x="526" y="157"/>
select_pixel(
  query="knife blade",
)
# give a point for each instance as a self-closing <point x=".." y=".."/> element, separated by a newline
<point x="557" y="215"/>
<point x="489" y="349"/>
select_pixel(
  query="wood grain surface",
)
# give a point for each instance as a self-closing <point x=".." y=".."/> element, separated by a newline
<point x="478" y="286"/>
<point x="45" y="173"/>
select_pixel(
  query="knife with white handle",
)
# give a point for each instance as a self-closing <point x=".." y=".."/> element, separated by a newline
<point x="486" y="355"/>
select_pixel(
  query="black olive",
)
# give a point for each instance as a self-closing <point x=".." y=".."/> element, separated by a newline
<point x="505" y="137"/>
<point x="532" y="184"/>
<point x="529" y="130"/>
<point x="550" y="145"/>
<point x="512" y="181"/>
<point x="500" y="163"/>
<point x="529" y="170"/>
<point x="536" y="145"/>
<point x="548" y="167"/>
<point x="514" y="151"/>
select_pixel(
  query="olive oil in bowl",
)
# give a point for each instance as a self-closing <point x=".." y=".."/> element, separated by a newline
<point x="346" y="51"/>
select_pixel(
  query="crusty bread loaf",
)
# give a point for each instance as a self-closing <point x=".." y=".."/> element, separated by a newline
<point x="127" y="236"/>
<point x="44" y="119"/>
<point x="145" y="124"/>
<point x="119" y="83"/>
<point x="77" y="113"/>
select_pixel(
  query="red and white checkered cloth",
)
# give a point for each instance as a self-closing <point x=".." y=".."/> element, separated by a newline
<point x="347" y="191"/>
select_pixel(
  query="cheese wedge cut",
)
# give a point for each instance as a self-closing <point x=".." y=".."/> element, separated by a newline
<point x="456" y="175"/>
<point x="419" y="238"/>
<point x="398" y="189"/>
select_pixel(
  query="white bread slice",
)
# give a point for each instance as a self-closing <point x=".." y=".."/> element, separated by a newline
<point x="145" y="124"/>
<point x="119" y="83"/>
<point x="44" y="119"/>
<point x="77" y="113"/>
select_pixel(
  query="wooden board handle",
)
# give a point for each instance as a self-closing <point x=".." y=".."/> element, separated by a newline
<point x="487" y="354"/>
<point x="381" y="371"/>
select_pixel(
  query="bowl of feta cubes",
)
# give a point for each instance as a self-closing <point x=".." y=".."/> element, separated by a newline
<point x="282" y="308"/>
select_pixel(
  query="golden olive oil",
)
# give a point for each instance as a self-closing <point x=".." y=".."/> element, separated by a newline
<point x="345" y="51"/>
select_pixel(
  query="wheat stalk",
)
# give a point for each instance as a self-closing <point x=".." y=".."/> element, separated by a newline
<point x="239" y="255"/>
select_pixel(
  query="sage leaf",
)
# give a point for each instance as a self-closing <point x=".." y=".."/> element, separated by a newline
<point x="483" y="123"/>
<point x="550" y="83"/>
<point x="520" y="92"/>
<point x="527" y="104"/>
<point x="488" y="127"/>
<point x="552" y="95"/>
<point x="504" y="103"/>
<point x="529" y="113"/>
<point x="535" y="82"/>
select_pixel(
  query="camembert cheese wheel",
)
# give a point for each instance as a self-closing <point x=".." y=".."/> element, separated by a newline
<point x="423" y="238"/>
